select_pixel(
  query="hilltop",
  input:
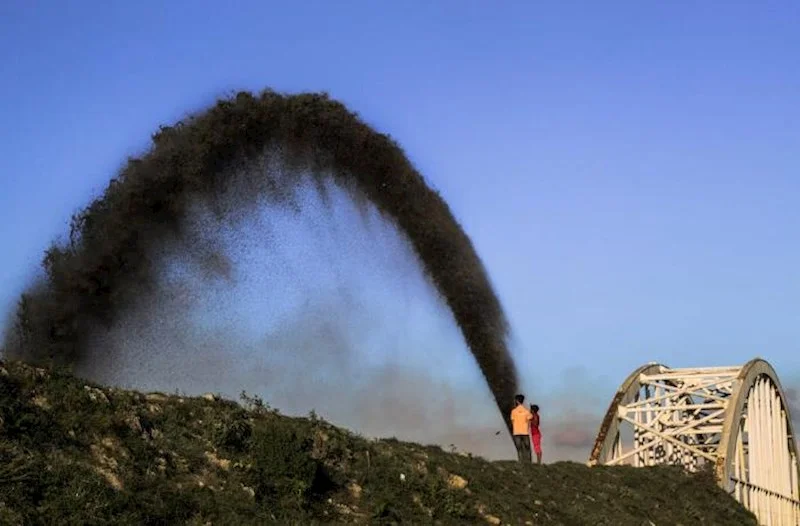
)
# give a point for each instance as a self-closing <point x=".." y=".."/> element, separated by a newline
<point x="73" y="452"/>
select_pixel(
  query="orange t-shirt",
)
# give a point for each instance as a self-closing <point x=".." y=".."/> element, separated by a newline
<point x="520" y="417"/>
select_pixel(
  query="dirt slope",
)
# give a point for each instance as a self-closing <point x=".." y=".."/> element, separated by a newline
<point x="72" y="452"/>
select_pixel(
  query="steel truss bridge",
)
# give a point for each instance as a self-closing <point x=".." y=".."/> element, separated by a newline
<point x="733" y="420"/>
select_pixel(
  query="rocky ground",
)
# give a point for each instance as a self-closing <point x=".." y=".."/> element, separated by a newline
<point x="72" y="452"/>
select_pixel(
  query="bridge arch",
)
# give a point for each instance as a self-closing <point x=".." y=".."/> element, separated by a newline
<point x="734" y="420"/>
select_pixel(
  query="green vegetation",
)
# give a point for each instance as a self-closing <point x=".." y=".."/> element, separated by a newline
<point x="72" y="452"/>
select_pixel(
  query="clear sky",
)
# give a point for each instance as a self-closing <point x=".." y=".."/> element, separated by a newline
<point x="628" y="171"/>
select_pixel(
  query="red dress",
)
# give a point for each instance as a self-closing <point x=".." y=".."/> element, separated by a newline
<point x="536" y="435"/>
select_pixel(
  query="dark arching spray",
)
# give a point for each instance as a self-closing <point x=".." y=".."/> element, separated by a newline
<point x="108" y="260"/>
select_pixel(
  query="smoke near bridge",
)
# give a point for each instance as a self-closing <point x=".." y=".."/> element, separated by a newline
<point x="159" y="222"/>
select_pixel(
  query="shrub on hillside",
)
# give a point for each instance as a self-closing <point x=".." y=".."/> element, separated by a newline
<point x="284" y="473"/>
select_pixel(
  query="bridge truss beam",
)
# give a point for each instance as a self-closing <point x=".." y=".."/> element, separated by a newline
<point x="732" y="419"/>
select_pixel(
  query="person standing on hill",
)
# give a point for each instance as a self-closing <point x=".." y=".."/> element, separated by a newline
<point x="536" y="435"/>
<point x="520" y="425"/>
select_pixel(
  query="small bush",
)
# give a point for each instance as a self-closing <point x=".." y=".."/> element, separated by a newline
<point x="24" y="421"/>
<point x="284" y="473"/>
<point x="232" y="434"/>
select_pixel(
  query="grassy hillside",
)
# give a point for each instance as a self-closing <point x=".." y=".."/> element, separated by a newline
<point x="72" y="452"/>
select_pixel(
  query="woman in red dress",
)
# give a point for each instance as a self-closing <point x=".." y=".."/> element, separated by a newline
<point x="536" y="435"/>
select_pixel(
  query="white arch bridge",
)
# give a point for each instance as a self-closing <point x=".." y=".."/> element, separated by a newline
<point x="735" y="418"/>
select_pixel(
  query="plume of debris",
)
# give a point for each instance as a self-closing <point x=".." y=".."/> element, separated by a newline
<point x="111" y="256"/>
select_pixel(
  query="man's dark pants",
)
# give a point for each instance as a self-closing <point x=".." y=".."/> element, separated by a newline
<point x="523" y="445"/>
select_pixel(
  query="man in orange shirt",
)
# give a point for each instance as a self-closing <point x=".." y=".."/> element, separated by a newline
<point x="520" y="426"/>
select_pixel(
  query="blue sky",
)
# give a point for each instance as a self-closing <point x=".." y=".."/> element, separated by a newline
<point x="627" y="171"/>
